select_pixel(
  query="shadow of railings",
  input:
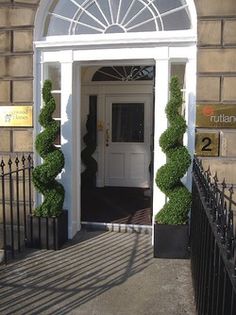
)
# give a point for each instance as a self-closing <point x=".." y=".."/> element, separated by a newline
<point x="58" y="282"/>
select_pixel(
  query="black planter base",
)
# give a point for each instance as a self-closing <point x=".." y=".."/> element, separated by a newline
<point x="47" y="233"/>
<point x="171" y="241"/>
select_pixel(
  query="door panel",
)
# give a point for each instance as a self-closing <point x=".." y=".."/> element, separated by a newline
<point x="127" y="145"/>
<point x="118" y="160"/>
<point x="137" y="161"/>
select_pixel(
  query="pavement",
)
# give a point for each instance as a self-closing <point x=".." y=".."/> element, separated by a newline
<point x="98" y="273"/>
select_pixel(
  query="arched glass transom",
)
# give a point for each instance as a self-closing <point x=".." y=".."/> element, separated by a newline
<point x="77" y="17"/>
<point x="124" y="73"/>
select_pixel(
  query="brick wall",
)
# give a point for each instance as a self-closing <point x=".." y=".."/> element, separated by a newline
<point x="216" y="68"/>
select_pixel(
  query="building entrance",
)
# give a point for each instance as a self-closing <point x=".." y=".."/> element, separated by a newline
<point x="124" y="128"/>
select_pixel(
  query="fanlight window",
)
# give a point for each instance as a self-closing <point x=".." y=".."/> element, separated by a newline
<point x="124" y="73"/>
<point x="76" y="17"/>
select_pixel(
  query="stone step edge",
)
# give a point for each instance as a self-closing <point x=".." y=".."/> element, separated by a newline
<point x="118" y="227"/>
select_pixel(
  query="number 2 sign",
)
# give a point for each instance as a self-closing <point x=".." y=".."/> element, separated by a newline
<point x="207" y="144"/>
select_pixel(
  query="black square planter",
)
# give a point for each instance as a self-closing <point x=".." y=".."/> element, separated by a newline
<point x="47" y="233"/>
<point x="171" y="241"/>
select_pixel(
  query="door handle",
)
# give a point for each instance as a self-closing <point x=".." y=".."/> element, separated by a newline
<point x="107" y="137"/>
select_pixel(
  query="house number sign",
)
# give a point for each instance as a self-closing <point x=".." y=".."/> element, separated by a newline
<point x="16" y="116"/>
<point x="207" y="144"/>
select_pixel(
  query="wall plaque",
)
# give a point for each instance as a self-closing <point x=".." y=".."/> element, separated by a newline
<point x="216" y="116"/>
<point x="207" y="144"/>
<point x="16" y="116"/>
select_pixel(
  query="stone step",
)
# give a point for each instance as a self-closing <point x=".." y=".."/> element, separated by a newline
<point x="117" y="227"/>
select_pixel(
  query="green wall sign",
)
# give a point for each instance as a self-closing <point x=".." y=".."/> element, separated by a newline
<point x="216" y="116"/>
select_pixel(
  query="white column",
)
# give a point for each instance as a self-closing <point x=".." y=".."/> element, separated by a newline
<point x="69" y="174"/>
<point x="160" y="121"/>
<point x="190" y="111"/>
<point x="38" y="83"/>
<point x="76" y="143"/>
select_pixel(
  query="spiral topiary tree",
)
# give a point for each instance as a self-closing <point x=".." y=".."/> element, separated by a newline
<point x="88" y="177"/>
<point x="53" y="159"/>
<point x="168" y="177"/>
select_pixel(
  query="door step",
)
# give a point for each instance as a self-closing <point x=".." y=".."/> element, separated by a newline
<point x="117" y="227"/>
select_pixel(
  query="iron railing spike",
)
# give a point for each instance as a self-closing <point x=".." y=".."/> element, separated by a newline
<point x="224" y="184"/>
<point x="2" y="163"/>
<point x="231" y="189"/>
<point x="29" y="158"/>
<point x="216" y="178"/>
<point x="10" y="161"/>
<point x="17" y="161"/>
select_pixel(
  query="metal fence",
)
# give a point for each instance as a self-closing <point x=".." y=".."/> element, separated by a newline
<point x="213" y="244"/>
<point x="15" y="203"/>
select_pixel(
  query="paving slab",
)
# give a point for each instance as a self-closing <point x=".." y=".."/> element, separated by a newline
<point x="98" y="273"/>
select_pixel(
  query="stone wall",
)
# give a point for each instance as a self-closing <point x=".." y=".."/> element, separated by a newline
<point x="16" y="67"/>
<point x="216" y="66"/>
<point x="216" y="69"/>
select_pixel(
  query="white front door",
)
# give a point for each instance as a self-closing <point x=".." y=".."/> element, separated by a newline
<point x="127" y="140"/>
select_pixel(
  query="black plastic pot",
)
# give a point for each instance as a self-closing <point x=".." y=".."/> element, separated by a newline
<point x="171" y="241"/>
<point x="47" y="233"/>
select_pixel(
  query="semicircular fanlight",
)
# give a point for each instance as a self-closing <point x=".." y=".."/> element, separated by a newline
<point x="124" y="73"/>
<point x="76" y="17"/>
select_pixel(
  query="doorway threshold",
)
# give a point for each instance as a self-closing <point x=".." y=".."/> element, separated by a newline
<point x="118" y="227"/>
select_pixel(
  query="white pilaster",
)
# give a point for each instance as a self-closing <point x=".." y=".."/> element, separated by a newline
<point x="190" y="111"/>
<point x="69" y="173"/>
<point x="38" y="83"/>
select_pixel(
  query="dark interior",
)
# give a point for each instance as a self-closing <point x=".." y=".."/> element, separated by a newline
<point x="123" y="205"/>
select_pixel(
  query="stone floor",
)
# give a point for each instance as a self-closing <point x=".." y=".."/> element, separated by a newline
<point x="98" y="273"/>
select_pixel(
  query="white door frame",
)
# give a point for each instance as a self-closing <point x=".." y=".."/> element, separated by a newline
<point x="71" y="60"/>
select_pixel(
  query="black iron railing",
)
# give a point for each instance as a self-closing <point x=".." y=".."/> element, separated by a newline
<point x="15" y="203"/>
<point x="213" y="244"/>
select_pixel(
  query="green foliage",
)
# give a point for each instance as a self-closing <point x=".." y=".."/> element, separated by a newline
<point x="53" y="159"/>
<point x="88" y="177"/>
<point x="168" y="177"/>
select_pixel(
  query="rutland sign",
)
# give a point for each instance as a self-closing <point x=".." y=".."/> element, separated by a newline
<point x="16" y="116"/>
<point x="216" y="116"/>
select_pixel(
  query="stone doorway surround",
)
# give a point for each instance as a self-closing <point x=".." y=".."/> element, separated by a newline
<point x="71" y="56"/>
<point x="216" y="72"/>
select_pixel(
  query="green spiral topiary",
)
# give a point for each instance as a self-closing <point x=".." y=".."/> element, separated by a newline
<point x="168" y="177"/>
<point x="88" y="177"/>
<point x="53" y="159"/>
